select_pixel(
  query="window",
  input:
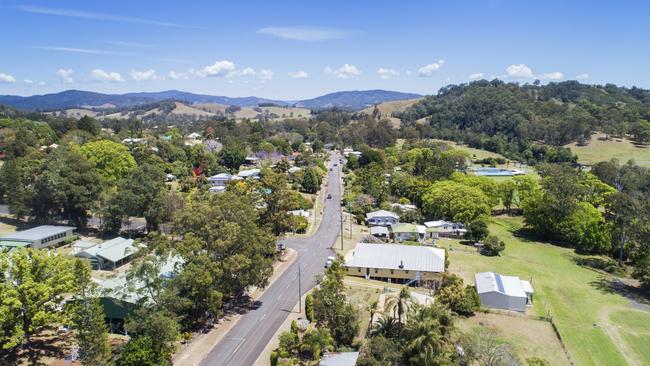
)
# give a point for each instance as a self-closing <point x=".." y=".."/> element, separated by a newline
<point x="375" y="270"/>
<point x="392" y="271"/>
<point x="358" y="269"/>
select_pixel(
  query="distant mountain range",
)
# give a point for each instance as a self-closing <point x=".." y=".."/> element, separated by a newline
<point x="352" y="100"/>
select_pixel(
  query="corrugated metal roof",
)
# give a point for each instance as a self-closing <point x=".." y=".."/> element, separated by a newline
<point x="381" y="213"/>
<point x="113" y="250"/>
<point x="494" y="282"/>
<point x="378" y="230"/>
<point x="391" y="256"/>
<point x="339" y="359"/>
<point x="37" y="233"/>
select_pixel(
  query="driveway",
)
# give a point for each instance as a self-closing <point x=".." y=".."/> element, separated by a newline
<point x="247" y="339"/>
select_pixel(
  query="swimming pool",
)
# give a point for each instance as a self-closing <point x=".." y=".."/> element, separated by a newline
<point x="497" y="172"/>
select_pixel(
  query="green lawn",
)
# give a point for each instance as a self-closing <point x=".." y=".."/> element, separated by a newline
<point x="634" y="327"/>
<point x="599" y="149"/>
<point x="573" y="295"/>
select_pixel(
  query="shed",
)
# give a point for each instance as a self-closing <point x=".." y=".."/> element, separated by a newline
<point x="503" y="292"/>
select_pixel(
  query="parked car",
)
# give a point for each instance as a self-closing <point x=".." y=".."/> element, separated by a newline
<point x="329" y="196"/>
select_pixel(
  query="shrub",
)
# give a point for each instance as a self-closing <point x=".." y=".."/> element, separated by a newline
<point x="309" y="308"/>
<point x="493" y="246"/>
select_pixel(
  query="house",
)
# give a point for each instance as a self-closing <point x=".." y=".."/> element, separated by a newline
<point x="403" y="207"/>
<point x="294" y="169"/>
<point x="503" y="292"/>
<point x="408" y="232"/>
<point x="119" y="299"/>
<point x="446" y="228"/>
<point x="339" y="359"/>
<point x="251" y="160"/>
<point x="220" y="179"/>
<point x="217" y="189"/>
<point x="396" y="262"/>
<point x="107" y="255"/>
<point x="38" y="237"/>
<point x="249" y="174"/>
<point x="379" y="231"/>
<point x="382" y="218"/>
<point x="303" y="213"/>
<point x="194" y="136"/>
<point x="348" y="152"/>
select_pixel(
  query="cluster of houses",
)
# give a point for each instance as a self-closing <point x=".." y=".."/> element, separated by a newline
<point x="423" y="265"/>
<point x="385" y="225"/>
<point x="219" y="181"/>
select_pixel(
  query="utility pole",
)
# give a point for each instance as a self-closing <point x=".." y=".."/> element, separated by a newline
<point x="341" y="228"/>
<point x="299" y="291"/>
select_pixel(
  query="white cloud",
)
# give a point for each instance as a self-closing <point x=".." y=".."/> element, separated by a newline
<point x="387" y="73"/>
<point x="249" y="71"/>
<point x="520" y="71"/>
<point x="477" y="76"/>
<point x="130" y="44"/>
<point x="6" y="79"/>
<point x="298" y="74"/>
<point x="177" y="75"/>
<point x="552" y="76"/>
<point x="96" y="16"/>
<point x="144" y="75"/>
<point x="427" y="70"/>
<point x="266" y="74"/>
<point x="304" y="33"/>
<point x="65" y="75"/>
<point x="408" y="72"/>
<point x="28" y="82"/>
<point x="346" y="71"/>
<point x="582" y="77"/>
<point x="79" y="50"/>
<point x="218" y="69"/>
<point x="101" y="75"/>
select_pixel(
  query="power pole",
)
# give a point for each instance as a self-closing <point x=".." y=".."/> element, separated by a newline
<point x="341" y="228"/>
<point x="299" y="291"/>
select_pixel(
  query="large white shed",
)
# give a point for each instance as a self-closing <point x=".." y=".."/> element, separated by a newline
<point x="503" y="292"/>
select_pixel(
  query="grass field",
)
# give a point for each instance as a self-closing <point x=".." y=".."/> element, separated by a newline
<point x="634" y="328"/>
<point x="529" y="337"/>
<point x="599" y="149"/>
<point x="575" y="296"/>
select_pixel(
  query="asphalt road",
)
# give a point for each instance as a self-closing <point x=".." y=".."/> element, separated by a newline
<point x="242" y="345"/>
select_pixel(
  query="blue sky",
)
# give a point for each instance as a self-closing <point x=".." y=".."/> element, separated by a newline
<point x="301" y="49"/>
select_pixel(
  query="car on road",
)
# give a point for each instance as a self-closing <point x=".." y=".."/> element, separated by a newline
<point x="329" y="262"/>
<point x="335" y="164"/>
<point x="329" y="196"/>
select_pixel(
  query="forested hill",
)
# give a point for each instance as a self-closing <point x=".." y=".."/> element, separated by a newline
<point x="509" y="118"/>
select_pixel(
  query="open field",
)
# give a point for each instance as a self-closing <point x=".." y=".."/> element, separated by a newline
<point x="387" y="108"/>
<point x="529" y="337"/>
<point x="576" y="297"/>
<point x="634" y="328"/>
<point x="600" y="149"/>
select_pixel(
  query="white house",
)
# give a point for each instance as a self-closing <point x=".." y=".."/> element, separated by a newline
<point x="503" y="292"/>
<point x="249" y="174"/>
<point x="194" y="136"/>
<point x="445" y="228"/>
<point x="217" y="189"/>
<point x="220" y="179"/>
<point x="403" y="207"/>
<point x="382" y="218"/>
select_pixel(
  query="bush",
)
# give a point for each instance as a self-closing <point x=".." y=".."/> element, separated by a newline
<point x="309" y="307"/>
<point x="493" y="246"/>
<point x="477" y="230"/>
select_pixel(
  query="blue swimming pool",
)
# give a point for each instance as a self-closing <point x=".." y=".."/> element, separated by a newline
<point x="497" y="172"/>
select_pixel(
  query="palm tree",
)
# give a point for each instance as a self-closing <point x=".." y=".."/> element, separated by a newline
<point x="316" y="340"/>
<point x="372" y="308"/>
<point x="427" y="335"/>
<point x="400" y="304"/>
<point x="386" y="327"/>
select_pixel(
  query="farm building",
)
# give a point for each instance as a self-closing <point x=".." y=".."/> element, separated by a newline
<point x="503" y="292"/>
<point x="107" y="255"/>
<point x="382" y="218"/>
<point x="396" y="262"/>
<point x="43" y="236"/>
<point x="408" y="232"/>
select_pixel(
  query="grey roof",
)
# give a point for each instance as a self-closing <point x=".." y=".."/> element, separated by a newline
<point x="37" y="233"/>
<point x="391" y="256"/>
<point x="381" y="213"/>
<point x="82" y="244"/>
<point x="339" y="359"/>
<point x="494" y="282"/>
<point x="113" y="250"/>
<point x="378" y="230"/>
